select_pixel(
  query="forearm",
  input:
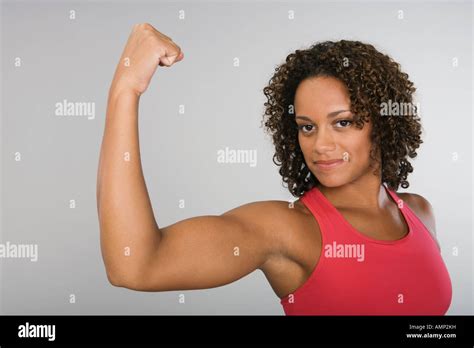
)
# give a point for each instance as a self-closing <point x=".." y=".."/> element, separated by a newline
<point x="128" y="231"/>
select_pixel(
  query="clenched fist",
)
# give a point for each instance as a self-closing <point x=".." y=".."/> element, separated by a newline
<point x="145" y="49"/>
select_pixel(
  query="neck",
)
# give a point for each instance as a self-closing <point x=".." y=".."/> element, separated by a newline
<point x="361" y="194"/>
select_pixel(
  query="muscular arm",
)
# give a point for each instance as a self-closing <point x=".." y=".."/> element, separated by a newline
<point x="199" y="252"/>
<point x="210" y="251"/>
<point x="129" y="233"/>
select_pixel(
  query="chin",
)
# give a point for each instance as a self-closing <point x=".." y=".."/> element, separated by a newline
<point x="331" y="181"/>
<point x="332" y="184"/>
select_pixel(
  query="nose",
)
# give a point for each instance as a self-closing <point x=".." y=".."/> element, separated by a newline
<point x="324" y="142"/>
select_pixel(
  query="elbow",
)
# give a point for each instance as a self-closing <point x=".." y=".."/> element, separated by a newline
<point x="115" y="280"/>
<point x="128" y="282"/>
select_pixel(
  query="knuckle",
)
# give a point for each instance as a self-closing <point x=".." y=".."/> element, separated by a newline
<point x="146" y="26"/>
<point x="174" y="49"/>
<point x="143" y="27"/>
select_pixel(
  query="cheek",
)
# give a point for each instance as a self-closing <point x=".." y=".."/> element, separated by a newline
<point x="360" y="147"/>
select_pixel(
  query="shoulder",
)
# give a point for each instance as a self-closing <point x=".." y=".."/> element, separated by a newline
<point x="271" y="214"/>
<point x="272" y="210"/>
<point x="422" y="208"/>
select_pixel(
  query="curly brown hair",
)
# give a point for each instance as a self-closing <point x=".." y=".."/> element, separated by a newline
<point x="372" y="78"/>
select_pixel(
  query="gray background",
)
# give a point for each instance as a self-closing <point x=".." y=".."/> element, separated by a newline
<point x="75" y="60"/>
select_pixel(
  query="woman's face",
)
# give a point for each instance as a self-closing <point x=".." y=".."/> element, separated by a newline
<point x="327" y="132"/>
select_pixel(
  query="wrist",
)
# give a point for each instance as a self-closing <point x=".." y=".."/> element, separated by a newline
<point x="120" y="88"/>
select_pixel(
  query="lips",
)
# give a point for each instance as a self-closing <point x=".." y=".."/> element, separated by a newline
<point x="329" y="165"/>
<point x="328" y="162"/>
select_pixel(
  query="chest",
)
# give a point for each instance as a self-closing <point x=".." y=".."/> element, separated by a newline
<point x="289" y="270"/>
<point x="406" y="279"/>
<point x="386" y="225"/>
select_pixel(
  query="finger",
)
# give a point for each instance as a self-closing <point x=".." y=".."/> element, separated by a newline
<point x="164" y="61"/>
<point x="171" y="57"/>
<point x="167" y="60"/>
<point x="180" y="57"/>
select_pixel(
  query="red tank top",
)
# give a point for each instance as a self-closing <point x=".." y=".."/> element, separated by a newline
<point x="359" y="275"/>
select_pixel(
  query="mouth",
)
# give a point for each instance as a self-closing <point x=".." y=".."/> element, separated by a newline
<point x="328" y="165"/>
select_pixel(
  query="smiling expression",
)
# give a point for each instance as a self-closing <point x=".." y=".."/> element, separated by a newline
<point x="327" y="132"/>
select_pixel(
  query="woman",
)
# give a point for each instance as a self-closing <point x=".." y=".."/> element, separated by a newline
<point x="349" y="245"/>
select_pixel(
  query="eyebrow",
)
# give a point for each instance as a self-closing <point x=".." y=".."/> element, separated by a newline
<point x="330" y="115"/>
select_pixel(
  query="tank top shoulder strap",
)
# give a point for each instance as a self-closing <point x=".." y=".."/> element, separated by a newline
<point x="407" y="212"/>
<point x="327" y="221"/>
<point x="412" y="217"/>
<point x="394" y="196"/>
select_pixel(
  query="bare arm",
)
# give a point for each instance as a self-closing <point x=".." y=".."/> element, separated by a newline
<point x="199" y="252"/>
<point x="127" y="224"/>
<point x="210" y="251"/>
<point x="129" y="232"/>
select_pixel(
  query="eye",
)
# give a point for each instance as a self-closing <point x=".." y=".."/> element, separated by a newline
<point x="345" y="123"/>
<point x="302" y="127"/>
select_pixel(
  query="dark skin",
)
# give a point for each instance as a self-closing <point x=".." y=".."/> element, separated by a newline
<point x="282" y="240"/>
<point x="353" y="189"/>
<point x="301" y="245"/>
